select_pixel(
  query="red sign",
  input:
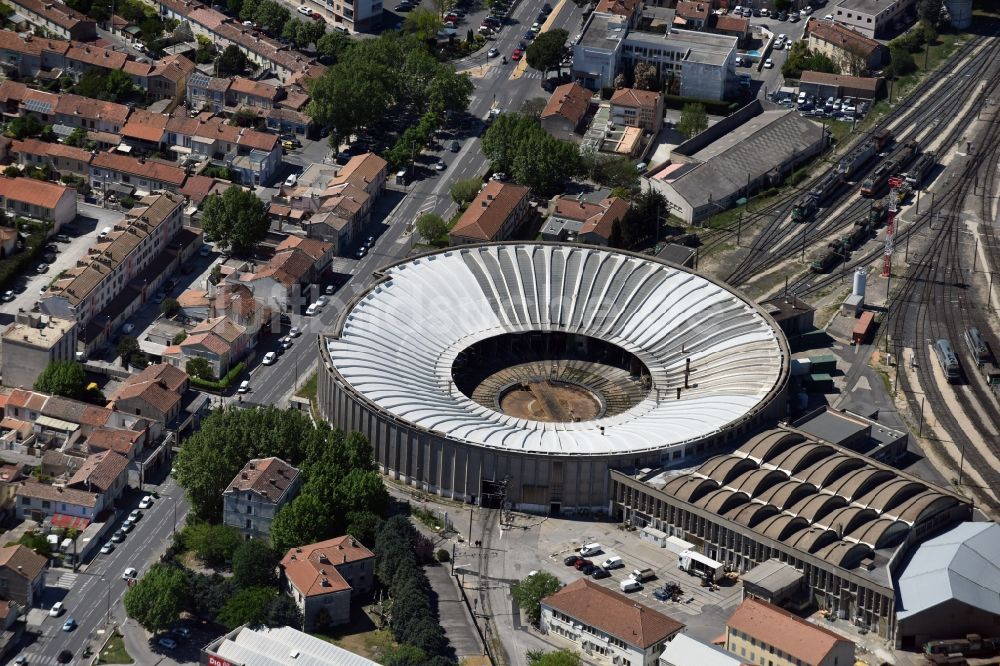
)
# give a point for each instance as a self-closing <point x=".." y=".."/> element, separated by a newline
<point x="218" y="661"/>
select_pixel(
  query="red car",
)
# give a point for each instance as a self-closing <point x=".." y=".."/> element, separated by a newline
<point x="580" y="564"/>
<point x="516" y="55"/>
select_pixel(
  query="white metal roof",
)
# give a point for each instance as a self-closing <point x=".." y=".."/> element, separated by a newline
<point x="960" y="564"/>
<point x="285" y="646"/>
<point x="399" y="340"/>
<point x="682" y="650"/>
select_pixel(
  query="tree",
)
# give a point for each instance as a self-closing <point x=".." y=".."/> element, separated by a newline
<point x="801" y="59"/>
<point x="546" y="52"/>
<point x="431" y="227"/>
<point x="128" y="350"/>
<point x="619" y="81"/>
<point x="199" y="367"/>
<point x="900" y="63"/>
<point x="65" y="378"/>
<point x="283" y="612"/>
<point x="180" y="337"/>
<point x="271" y="16"/>
<point x="557" y="658"/>
<point x="615" y="172"/>
<point x="249" y="606"/>
<point x="213" y="544"/>
<point x="929" y="10"/>
<point x="301" y="521"/>
<point x="443" y="7"/>
<point x="77" y="138"/>
<point x="232" y="61"/>
<point x="23" y="127"/>
<point x="694" y="120"/>
<point x="208" y="594"/>
<point x="533" y="107"/>
<point x="333" y="44"/>
<point x="206" y="50"/>
<point x="616" y="239"/>
<point x="645" y="77"/>
<point x="304" y="33"/>
<point x="465" y="190"/>
<point x="529" y="592"/>
<point x="254" y="562"/>
<point x="423" y="23"/>
<point x="519" y="146"/>
<point x="169" y="307"/>
<point x="235" y="219"/>
<point x="158" y="598"/>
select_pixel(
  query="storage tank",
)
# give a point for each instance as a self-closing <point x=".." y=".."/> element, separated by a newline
<point x="961" y="13"/>
<point x="860" y="282"/>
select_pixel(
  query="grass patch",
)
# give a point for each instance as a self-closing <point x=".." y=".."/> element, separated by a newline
<point x="839" y="129"/>
<point x="428" y="518"/>
<point x="114" y="652"/>
<point x="361" y="636"/>
<point x="308" y="390"/>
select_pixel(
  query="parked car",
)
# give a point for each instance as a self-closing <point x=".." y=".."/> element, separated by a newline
<point x="135" y="515"/>
<point x="183" y="632"/>
<point x="107" y="548"/>
<point x="323" y="300"/>
<point x="768" y="64"/>
<point x="455" y="146"/>
<point x="572" y="560"/>
<point x="8" y="296"/>
<point x="168" y="643"/>
<point x="440" y="166"/>
<point x="581" y="563"/>
<point x="589" y="569"/>
<point x="599" y="573"/>
<point x="360" y="254"/>
<point x="294" y="332"/>
<point x="244" y="386"/>
<point x="127" y="525"/>
<point x="285" y="342"/>
<point x="61" y="238"/>
<point x="305" y="11"/>
<point x="146" y="502"/>
<point x="57" y="609"/>
<point x="493" y="53"/>
<point x="118" y="536"/>
<point x="42" y="268"/>
<point x="270" y="357"/>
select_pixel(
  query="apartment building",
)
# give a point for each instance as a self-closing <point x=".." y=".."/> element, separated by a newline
<point x="760" y="633"/>
<point x="258" y="492"/>
<point x="873" y="18"/>
<point x="31" y="343"/>
<point x="29" y="55"/>
<point x="495" y="214"/>
<point x="324" y="577"/>
<point x="22" y="575"/>
<point x="704" y="63"/>
<point x="155" y="393"/>
<point x="162" y="79"/>
<point x="853" y="52"/>
<point x="606" y="626"/>
<point x="114" y="261"/>
<point x="563" y="114"/>
<point x="57" y="18"/>
<point x="255" y="156"/>
<point x="631" y="107"/>
<point x="38" y="200"/>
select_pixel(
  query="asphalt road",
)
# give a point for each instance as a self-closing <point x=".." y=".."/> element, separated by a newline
<point x="96" y="591"/>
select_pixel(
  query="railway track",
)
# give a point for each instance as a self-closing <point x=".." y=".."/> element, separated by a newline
<point x="777" y="242"/>
<point x="495" y="645"/>
<point x="810" y="283"/>
<point x="934" y="301"/>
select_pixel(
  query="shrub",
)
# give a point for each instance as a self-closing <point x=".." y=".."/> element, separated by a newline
<point x="223" y="383"/>
<point x="442" y="555"/>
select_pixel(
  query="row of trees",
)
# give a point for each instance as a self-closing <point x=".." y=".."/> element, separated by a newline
<point x="342" y="491"/>
<point x="383" y="77"/>
<point x="250" y="596"/>
<point x="112" y="86"/>
<point x="271" y="16"/>
<point x="412" y="617"/>
<point x="413" y="139"/>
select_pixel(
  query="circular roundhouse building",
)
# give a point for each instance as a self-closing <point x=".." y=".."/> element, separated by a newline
<point x="524" y="371"/>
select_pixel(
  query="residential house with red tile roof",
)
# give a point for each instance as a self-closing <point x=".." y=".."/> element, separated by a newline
<point x="70" y="110"/>
<point x="734" y="26"/>
<point x="145" y="130"/>
<point x="38" y="199"/>
<point x="219" y="340"/>
<point x="563" y="114"/>
<point x="22" y="575"/>
<point x="587" y="616"/>
<point x="62" y="159"/>
<point x="327" y="576"/>
<point x="496" y="213"/>
<point x="278" y="282"/>
<point x="115" y="172"/>
<point x="255" y="155"/>
<point x="573" y="219"/>
<point x="10" y="474"/>
<point x="156" y="393"/>
<point x="92" y="489"/>
<point x="104" y="472"/>
<point x="629" y="9"/>
<point x="367" y="171"/>
<point x="759" y="631"/>
<point x="254" y="497"/>
<point x="631" y="107"/>
<point x="247" y="93"/>
<point x="29" y="55"/>
<point x="122" y="441"/>
<point x="82" y="57"/>
<point x="855" y="53"/>
<point x="321" y="253"/>
<point x="57" y="18"/>
<point x="694" y="13"/>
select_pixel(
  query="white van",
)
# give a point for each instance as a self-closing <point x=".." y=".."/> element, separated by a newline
<point x="614" y="562"/>
<point x="629" y="585"/>
<point x="590" y="549"/>
<point x="104" y="232"/>
<point x="244" y="386"/>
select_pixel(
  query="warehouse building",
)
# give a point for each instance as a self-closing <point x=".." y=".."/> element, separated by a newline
<point x="754" y="148"/>
<point x="872" y="18"/>
<point x="837" y="517"/>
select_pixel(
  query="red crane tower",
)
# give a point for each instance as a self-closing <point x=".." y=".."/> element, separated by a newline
<point x="890" y="227"/>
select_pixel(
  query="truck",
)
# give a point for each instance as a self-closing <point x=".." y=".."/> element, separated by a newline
<point x="696" y="564"/>
<point x="642" y="575"/>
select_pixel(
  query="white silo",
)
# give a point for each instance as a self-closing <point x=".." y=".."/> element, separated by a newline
<point x="860" y="282"/>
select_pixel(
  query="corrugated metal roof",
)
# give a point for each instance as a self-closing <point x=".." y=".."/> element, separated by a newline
<point x="960" y="564"/>
<point x="684" y="650"/>
<point x="275" y="647"/>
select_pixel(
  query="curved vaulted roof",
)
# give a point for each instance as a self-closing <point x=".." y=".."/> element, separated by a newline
<point x="397" y="342"/>
<point x="768" y="444"/>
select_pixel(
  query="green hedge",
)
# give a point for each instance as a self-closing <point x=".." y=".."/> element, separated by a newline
<point x="711" y="106"/>
<point x="17" y="263"/>
<point x="223" y="383"/>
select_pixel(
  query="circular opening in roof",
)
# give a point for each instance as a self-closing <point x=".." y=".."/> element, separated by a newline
<point x="551" y="376"/>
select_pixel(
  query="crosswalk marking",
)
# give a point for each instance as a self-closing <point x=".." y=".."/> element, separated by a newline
<point x="66" y="581"/>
